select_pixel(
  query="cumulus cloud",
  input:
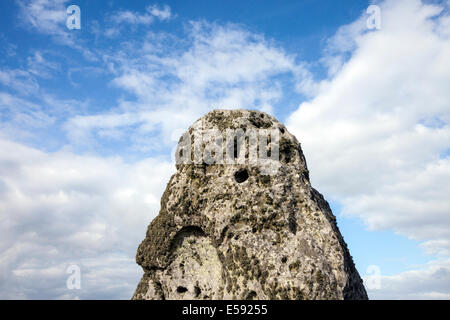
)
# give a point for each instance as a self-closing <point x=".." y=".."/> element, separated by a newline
<point x="59" y="209"/>
<point x="376" y="132"/>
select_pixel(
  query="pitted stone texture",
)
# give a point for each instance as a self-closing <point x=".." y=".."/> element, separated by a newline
<point x="265" y="237"/>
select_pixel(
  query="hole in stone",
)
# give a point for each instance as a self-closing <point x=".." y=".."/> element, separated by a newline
<point x="160" y="289"/>
<point x="284" y="259"/>
<point x="184" y="233"/>
<point x="181" y="289"/>
<point x="241" y="175"/>
<point x="282" y="130"/>
<point x="287" y="150"/>
<point x="197" y="291"/>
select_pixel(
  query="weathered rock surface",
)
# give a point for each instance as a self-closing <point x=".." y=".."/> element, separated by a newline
<point x="230" y="232"/>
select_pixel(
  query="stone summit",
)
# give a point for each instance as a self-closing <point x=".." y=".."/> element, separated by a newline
<point x="239" y="231"/>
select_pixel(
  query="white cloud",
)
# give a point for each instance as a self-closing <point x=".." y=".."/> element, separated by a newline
<point x="162" y="14"/>
<point x="34" y="119"/>
<point x="123" y="18"/>
<point x="429" y="282"/>
<point x="58" y="209"/>
<point x="376" y="133"/>
<point x="39" y="66"/>
<point x="151" y="12"/>
<point x="46" y="16"/>
<point x="19" y="113"/>
<point x="213" y="67"/>
<point x="132" y="18"/>
<point x="19" y="80"/>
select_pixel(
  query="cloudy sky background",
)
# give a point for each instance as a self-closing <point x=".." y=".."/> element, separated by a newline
<point x="89" y="120"/>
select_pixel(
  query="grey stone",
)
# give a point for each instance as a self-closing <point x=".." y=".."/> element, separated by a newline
<point x="227" y="231"/>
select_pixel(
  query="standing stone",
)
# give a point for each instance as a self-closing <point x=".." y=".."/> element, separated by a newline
<point x="235" y="231"/>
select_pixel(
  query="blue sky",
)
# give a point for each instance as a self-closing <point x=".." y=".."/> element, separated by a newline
<point x="89" y="120"/>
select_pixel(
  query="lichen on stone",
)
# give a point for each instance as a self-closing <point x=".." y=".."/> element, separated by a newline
<point x="228" y="231"/>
